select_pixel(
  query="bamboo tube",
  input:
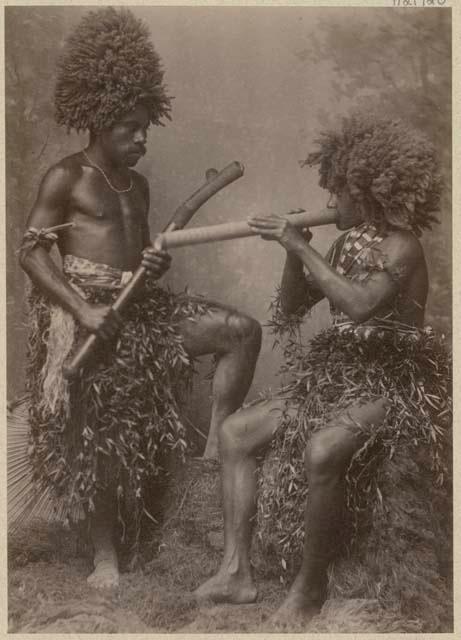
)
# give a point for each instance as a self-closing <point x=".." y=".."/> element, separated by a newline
<point x="232" y="230"/>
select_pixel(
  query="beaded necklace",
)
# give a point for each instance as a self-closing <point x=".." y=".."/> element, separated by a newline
<point x="111" y="186"/>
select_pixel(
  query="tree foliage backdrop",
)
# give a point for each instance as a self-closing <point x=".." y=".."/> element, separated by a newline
<point x="254" y="84"/>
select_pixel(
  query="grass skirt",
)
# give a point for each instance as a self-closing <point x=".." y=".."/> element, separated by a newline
<point x="410" y="368"/>
<point x="114" y="425"/>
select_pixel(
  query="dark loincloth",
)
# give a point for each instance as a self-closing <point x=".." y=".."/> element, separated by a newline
<point x="114" y="425"/>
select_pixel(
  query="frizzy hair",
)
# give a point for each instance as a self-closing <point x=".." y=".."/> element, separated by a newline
<point x="390" y="169"/>
<point x="108" y="66"/>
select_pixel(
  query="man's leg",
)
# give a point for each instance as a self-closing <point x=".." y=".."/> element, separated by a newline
<point x="102" y="531"/>
<point x="327" y="457"/>
<point x="242" y="437"/>
<point x="236" y="340"/>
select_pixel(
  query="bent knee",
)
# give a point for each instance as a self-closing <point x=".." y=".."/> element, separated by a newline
<point x="328" y="452"/>
<point x="244" y="327"/>
<point x="233" y="435"/>
<point x="249" y="431"/>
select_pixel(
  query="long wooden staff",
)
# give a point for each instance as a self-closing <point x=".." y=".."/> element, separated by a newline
<point x="215" y="182"/>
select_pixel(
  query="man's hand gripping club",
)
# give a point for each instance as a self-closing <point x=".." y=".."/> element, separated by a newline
<point x="103" y="320"/>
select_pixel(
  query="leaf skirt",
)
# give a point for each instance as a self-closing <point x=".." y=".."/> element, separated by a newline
<point x="339" y="368"/>
<point x="113" y="426"/>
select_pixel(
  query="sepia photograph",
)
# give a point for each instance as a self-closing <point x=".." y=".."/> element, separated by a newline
<point x="229" y="318"/>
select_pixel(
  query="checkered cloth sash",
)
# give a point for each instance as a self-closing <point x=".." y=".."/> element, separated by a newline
<point x="347" y="251"/>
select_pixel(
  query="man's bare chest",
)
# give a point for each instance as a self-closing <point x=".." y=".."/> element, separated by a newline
<point x="104" y="207"/>
<point x="108" y="227"/>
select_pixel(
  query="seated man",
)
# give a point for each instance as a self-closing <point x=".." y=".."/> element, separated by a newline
<point x="384" y="186"/>
<point x="98" y="439"/>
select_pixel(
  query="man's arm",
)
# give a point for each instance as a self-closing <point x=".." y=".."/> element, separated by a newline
<point x="49" y="210"/>
<point x="298" y="293"/>
<point x="359" y="300"/>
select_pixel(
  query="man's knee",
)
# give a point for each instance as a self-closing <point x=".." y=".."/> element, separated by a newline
<point x="328" y="453"/>
<point x="244" y="328"/>
<point x="248" y="432"/>
<point x="232" y="436"/>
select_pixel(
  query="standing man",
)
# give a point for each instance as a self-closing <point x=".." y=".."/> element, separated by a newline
<point x="383" y="183"/>
<point x="98" y="439"/>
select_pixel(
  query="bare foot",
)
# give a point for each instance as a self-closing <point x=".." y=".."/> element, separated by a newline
<point x="296" y="611"/>
<point x="227" y="588"/>
<point x="105" y="574"/>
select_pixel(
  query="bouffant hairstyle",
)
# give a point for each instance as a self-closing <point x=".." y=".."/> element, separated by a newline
<point x="108" y="66"/>
<point x="390" y="169"/>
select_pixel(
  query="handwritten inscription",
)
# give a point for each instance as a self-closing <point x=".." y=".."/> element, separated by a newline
<point x="419" y="3"/>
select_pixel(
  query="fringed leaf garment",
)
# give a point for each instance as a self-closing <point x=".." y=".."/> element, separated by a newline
<point x="113" y="425"/>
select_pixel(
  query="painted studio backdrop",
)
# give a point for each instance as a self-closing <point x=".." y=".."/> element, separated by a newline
<point x="250" y="84"/>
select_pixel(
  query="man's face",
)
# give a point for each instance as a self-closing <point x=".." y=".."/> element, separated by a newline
<point x="348" y="214"/>
<point x="125" y="141"/>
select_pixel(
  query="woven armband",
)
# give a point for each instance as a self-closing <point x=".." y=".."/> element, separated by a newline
<point x="35" y="237"/>
<point x="45" y="237"/>
<point x="397" y="273"/>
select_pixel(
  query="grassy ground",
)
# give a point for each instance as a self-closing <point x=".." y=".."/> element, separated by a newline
<point x="48" y="566"/>
<point x="48" y="590"/>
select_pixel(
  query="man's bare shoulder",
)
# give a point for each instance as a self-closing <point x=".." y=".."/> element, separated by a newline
<point x="402" y="245"/>
<point x="403" y="256"/>
<point x="64" y="173"/>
